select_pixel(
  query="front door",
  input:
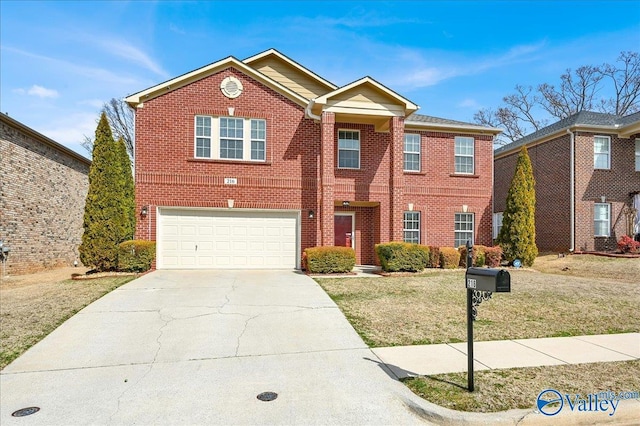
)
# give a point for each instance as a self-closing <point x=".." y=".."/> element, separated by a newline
<point x="343" y="229"/>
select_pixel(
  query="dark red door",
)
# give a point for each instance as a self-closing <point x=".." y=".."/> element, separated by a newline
<point x="343" y="227"/>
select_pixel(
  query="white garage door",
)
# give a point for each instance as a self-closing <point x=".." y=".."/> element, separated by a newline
<point x="227" y="239"/>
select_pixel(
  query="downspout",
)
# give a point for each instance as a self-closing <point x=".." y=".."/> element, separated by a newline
<point x="309" y="113"/>
<point x="572" y="202"/>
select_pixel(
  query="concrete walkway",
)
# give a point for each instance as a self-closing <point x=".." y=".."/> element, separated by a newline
<point x="411" y="361"/>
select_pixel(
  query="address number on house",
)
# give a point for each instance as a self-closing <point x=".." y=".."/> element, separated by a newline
<point x="230" y="181"/>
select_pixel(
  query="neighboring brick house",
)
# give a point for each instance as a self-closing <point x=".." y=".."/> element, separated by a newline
<point x="43" y="187"/>
<point x="244" y="164"/>
<point x="587" y="171"/>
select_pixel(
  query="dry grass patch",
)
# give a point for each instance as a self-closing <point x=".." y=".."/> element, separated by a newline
<point x="31" y="308"/>
<point x="590" y="266"/>
<point x="431" y="308"/>
<point x="499" y="390"/>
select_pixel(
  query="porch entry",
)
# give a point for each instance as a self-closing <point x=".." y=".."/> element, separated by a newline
<point x="344" y="235"/>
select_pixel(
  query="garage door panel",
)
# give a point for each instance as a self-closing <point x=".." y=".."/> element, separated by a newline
<point x="227" y="238"/>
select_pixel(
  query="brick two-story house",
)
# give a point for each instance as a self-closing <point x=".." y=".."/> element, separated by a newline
<point x="244" y="164"/>
<point x="587" y="171"/>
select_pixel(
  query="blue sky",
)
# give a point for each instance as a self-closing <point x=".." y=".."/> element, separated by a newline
<point x="61" y="60"/>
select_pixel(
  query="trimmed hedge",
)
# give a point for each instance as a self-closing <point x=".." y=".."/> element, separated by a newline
<point x="449" y="257"/>
<point x="327" y="260"/>
<point x="478" y="255"/>
<point x="434" y="257"/>
<point x="493" y="256"/>
<point x="402" y="257"/>
<point x="136" y="255"/>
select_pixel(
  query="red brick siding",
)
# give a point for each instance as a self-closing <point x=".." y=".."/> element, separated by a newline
<point x="551" y="167"/>
<point x="299" y="174"/>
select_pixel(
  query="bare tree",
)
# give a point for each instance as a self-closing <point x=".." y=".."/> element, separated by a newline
<point x="122" y="122"/>
<point x="609" y="88"/>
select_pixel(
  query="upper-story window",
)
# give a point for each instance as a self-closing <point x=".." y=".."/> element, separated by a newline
<point x="601" y="152"/>
<point x="230" y="138"/>
<point x="637" y="155"/>
<point x="464" y="155"/>
<point x="411" y="153"/>
<point x="348" y="149"/>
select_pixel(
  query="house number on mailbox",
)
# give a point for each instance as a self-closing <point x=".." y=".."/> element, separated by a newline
<point x="230" y="181"/>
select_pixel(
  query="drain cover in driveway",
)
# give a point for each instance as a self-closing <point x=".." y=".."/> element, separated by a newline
<point x="267" y="396"/>
<point x="25" y="411"/>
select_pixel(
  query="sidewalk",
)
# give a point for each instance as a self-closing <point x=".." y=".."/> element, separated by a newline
<point x="411" y="361"/>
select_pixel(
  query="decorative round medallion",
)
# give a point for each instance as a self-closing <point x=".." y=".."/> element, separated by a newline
<point x="231" y="87"/>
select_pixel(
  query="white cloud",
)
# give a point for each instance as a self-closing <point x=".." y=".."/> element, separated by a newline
<point x="469" y="103"/>
<point x="174" y="28"/>
<point x="39" y="91"/>
<point x="42" y="92"/>
<point x="131" y="53"/>
<point x="69" y="130"/>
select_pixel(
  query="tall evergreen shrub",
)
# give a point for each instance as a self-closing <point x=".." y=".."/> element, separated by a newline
<point x="107" y="221"/>
<point x="518" y="234"/>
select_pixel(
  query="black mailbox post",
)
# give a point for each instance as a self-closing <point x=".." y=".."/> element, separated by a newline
<point x="477" y="280"/>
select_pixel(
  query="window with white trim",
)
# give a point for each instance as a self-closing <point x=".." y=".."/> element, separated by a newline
<point x="463" y="225"/>
<point x="601" y="152"/>
<point x="411" y="227"/>
<point x="602" y="220"/>
<point x="411" y="153"/>
<point x="348" y="149"/>
<point x="464" y="155"/>
<point x="497" y="224"/>
<point x="637" y="155"/>
<point x="203" y="136"/>
<point x="230" y="138"/>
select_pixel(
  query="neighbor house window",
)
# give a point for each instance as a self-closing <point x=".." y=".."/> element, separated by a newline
<point x="230" y="138"/>
<point x="602" y="152"/>
<point x="411" y="227"/>
<point x="602" y="220"/>
<point x="463" y="229"/>
<point x="637" y="155"/>
<point x="464" y="153"/>
<point x="349" y="149"/>
<point x="497" y="224"/>
<point x="411" y="153"/>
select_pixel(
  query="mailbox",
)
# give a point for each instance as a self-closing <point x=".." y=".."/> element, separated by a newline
<point x="488" y="279"/>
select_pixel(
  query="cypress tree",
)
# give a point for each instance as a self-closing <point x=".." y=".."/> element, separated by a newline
<point x="518" y="234"/>
<point x="105" y="220"/>
<point x="128" y="199"/>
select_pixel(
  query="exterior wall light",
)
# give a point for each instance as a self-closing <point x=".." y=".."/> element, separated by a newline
<point x="311" y="214"/>
<point x="144" y="211"/>
<point x="345" y="204"/>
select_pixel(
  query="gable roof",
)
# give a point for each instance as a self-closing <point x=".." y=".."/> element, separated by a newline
<point x="290" y="73"/>
<point x="137" y="98"/>
<point x="43" y="139"/>
<point x="623" y="126"/>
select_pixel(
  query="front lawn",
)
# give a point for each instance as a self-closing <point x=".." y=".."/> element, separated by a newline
<point x="578" y="295"/>
<point x="30" y="311"/>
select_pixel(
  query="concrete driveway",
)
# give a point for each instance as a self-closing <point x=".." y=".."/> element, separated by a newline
<point x="197" y="347"/>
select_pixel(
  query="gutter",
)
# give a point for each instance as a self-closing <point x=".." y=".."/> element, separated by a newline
<point x="572" y="203"/>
